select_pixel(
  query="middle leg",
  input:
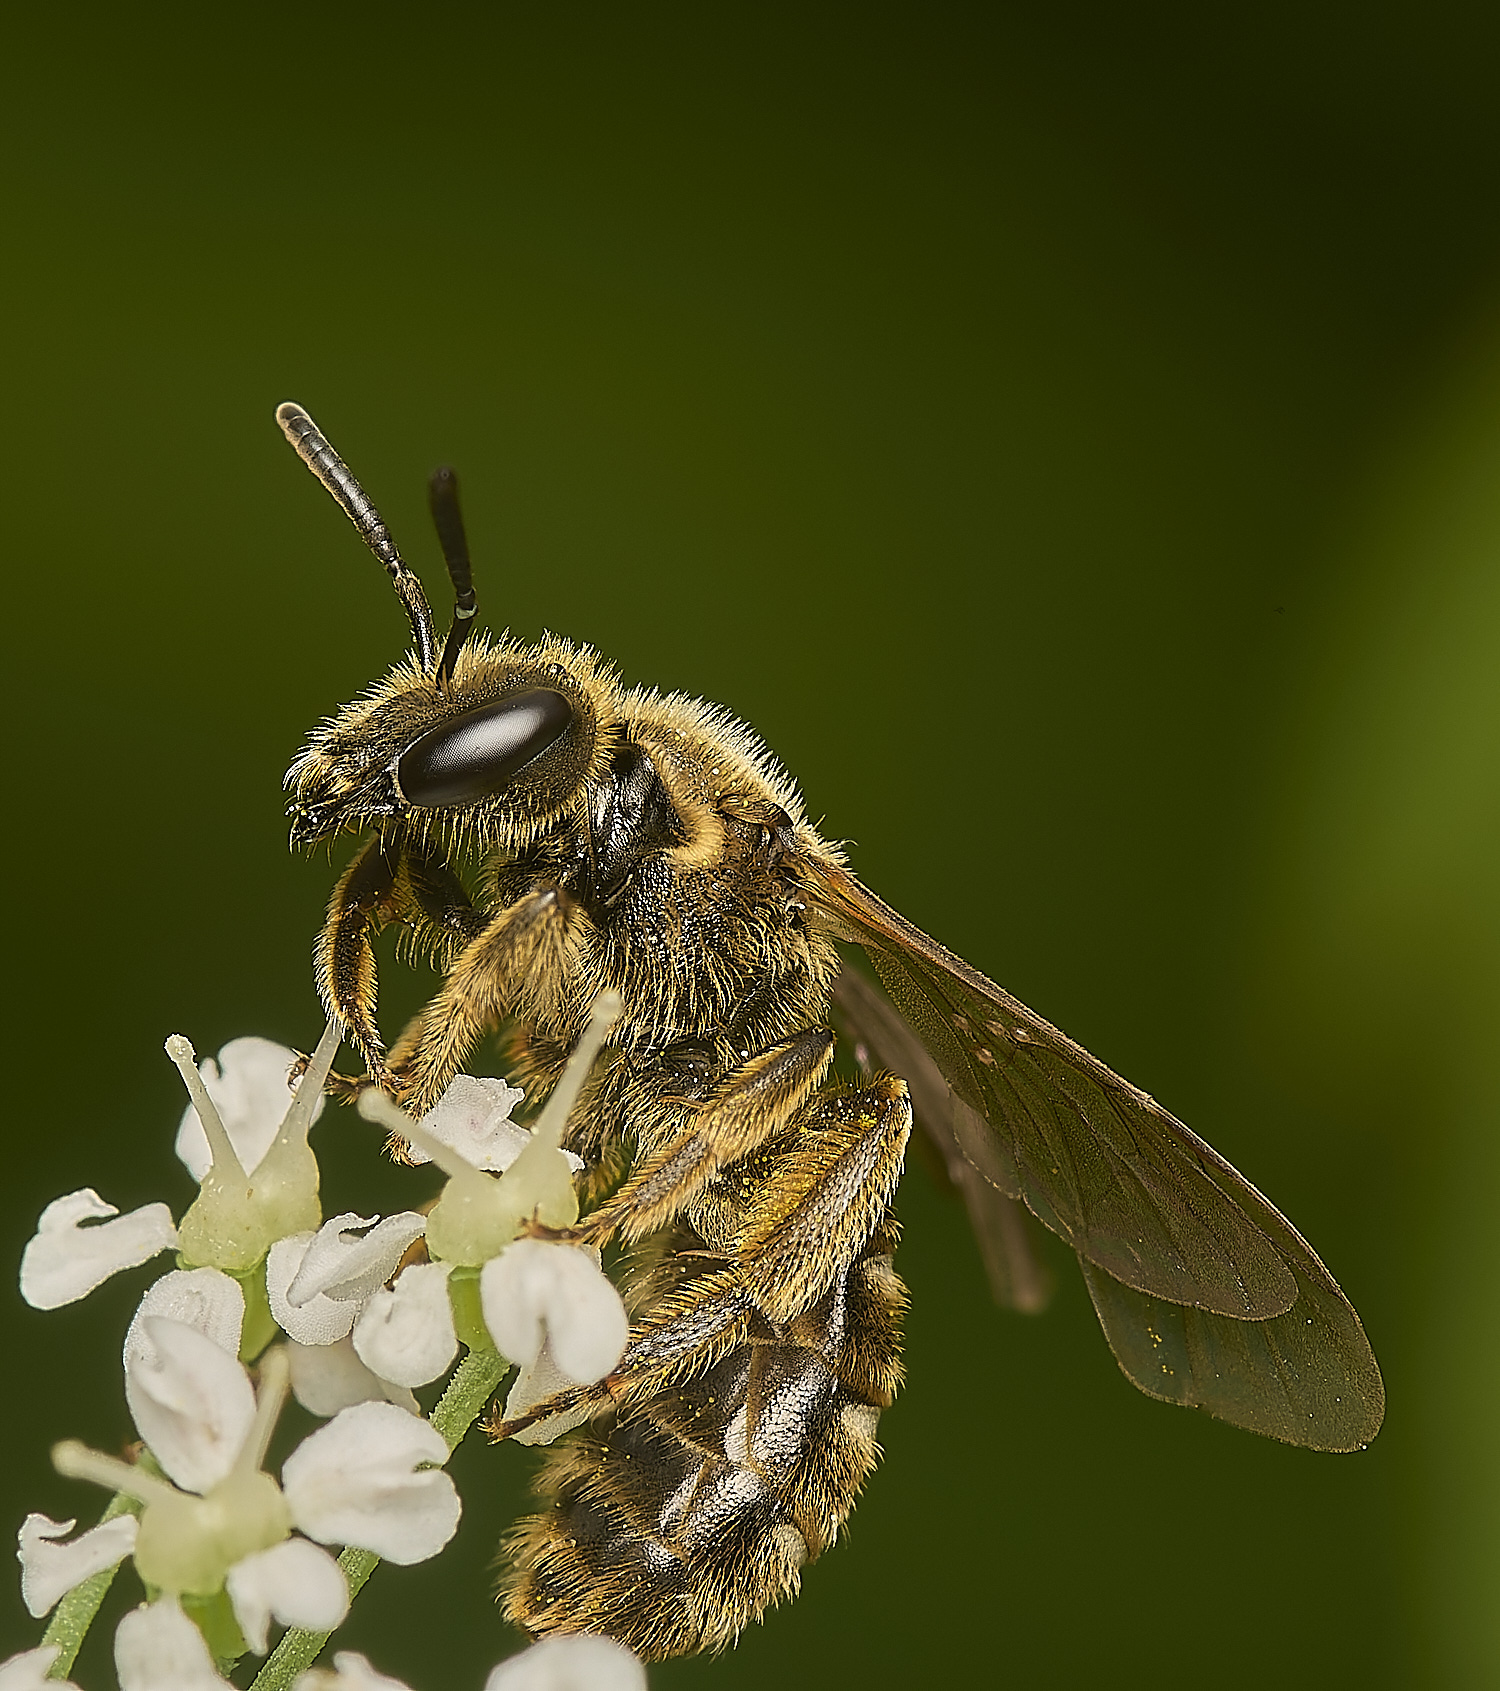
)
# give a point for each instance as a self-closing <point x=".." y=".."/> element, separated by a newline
<point x="519" y="952"/>
<point x="759" y="1247"/>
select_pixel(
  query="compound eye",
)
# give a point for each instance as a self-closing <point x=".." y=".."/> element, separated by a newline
<point x="479" y="753"/>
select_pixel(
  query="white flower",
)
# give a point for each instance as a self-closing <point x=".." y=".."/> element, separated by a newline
<point x="208" y="1432"/>
<point x="534" y="1384"/>
<point x="477" y="1216"/>
<point x="577" y="1661"/>
<point x="318" y="1320"/>
<point x="191" y="1402"/>
<point x="295" y="1581"/>
<point x="157" y="1648"/>
<point x="536" y="1292"/>
<point x="538" y="1298"/>
<point x="65" y="1261"/>
<point x="351" y="1672"/>
<point x="317" y="1283"/>
<point x="28" y="1671"/>
<point x="406" y="1335"/>
<point x="371" y="1477"/>
<point x="338" y="1265"/>
<point x="473" y="1118"/>
<point x="251" y="1093"/>
<point x="571" y="1662"/>
<point x="202" y="1300"/>
<point x="234" y="1220"/>
<point x="211" y="1303"/>
<point x="225" y="1522"/>
<point x="49" y="1569"/>
<point x="328" y="1378"/>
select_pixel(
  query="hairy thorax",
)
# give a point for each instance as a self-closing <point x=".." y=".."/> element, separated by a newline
<point x="709" y="949"/>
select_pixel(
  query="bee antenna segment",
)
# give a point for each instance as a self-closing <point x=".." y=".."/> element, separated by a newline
<point x="442" y="500"/>
<point x="313" y="449"/>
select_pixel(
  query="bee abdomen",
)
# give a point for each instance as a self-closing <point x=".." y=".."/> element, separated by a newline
<point x="681" y="1519"/>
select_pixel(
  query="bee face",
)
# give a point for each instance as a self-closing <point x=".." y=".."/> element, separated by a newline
<point x="500" y="749"/>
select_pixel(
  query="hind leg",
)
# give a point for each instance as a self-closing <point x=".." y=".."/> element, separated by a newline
<point x="768" y="1238"/>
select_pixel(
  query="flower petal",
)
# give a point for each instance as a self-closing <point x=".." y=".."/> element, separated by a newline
<point x="352" y="1672"/>
<point x="473" y="1116"/>
<point x="357" y="1481"/>
<point x="406" y="1335"/>
<point x="318" y="1320"/>
<point x="210" y="1302"/>
<point x="349" y="1268"/>
<point x="328" y="1378"/>
<point x="191" y="1402"/>
<point x="65" y="1261"/>
<point x="535" y="1291"/>
<point x="577" y="1661"/>
<point x="50" y="1569"/>
<point x="249" y="1088"/>
<point x="537" y="1381"/>
<point x="157" y="1648"/>
<point x="28" y="1671"/>
<point x="298" y="1583"/>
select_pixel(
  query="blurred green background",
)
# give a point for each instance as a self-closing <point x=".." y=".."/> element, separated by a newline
<point x="1069" y="433"/>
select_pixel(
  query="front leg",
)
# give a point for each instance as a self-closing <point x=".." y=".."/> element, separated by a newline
<point x="363" y="901"/>
<point x="387" y="881"/>
<point x="517" y="954"/>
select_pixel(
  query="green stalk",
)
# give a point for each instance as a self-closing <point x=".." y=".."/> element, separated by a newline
<point x="472" y="1386"/>
<point x="74" y="1615"/>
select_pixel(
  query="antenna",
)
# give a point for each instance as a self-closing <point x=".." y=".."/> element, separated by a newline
<point x="442" y="499"/>
<point x="314" y="451"/>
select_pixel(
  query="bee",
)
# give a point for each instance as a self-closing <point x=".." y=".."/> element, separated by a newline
<point x="648" y="843"/>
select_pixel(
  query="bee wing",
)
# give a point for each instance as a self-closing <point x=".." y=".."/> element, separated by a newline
<point x="1207" y="1294"/>
<point x="1005" y="1230"/>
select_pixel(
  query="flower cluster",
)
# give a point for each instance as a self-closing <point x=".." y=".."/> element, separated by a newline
<point x="350" y="1314"/>
<point x="157" y="1648"/>
<point x="581" y="1663"/>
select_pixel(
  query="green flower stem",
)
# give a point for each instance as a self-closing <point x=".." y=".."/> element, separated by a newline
<point x="215" y="1618"/>
<point x="468" y="1310"/>
<point x="472" y="1386"/>
<point x="470" y="1389"/>
<point x="74" y="1615"/>
<point x="259" y="1327"/>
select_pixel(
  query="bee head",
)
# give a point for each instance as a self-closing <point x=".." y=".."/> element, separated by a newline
<point x="491" y="736"/>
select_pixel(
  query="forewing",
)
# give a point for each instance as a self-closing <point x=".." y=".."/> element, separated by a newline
<point x="1127" y="1185"/>
<point x="1308" y="1377"/>
<point x="1007" y="1234"/>
<point x="1208" y="1295"/>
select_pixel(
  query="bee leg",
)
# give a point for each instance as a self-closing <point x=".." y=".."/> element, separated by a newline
<point x="385" y="883"/>
<point x="820" y="1199"/>
<point x="721" y="1316"/>
<point x="363" y="901"/>
<point x="418" y="889"/>
<point x="440" y="912"/>
<point x="519" y="946"/>
<point x="752" y="1103"/>
<point x="779" y="1228"/>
